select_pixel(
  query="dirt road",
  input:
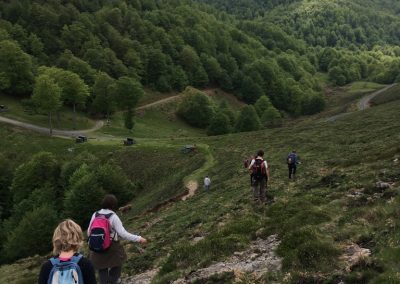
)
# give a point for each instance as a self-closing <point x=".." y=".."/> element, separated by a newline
<point x="362" y="104"/>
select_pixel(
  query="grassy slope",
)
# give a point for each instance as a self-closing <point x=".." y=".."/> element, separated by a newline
<point x="338" y="159"/>
<point x="315" y="217"/>
<point x="391" y="95"/>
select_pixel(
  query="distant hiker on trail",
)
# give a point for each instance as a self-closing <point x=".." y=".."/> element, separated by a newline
<point x="207" y="183"/>
<point x="105" y="231"/>
<point x="67" y="240"/>
<point x="292" y="161"/>
<point x="259" y="175"/>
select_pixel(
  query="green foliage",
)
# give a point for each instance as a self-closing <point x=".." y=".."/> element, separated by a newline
<point x="304" y="250"/>
<point x="113" y="180"/>
<point x="262" y="104"/>
<point x="42" y="169"/>
<point x="33" y="233"/>
<point x="271" y="117"/>
<point x="128" y="119"/>
<point x="16" y="75"/>
<point x="219" y="124"/>
<point x="47" y="96"/>
<point x="128" y="91"/>
<point x="195" y="108"/>
<point x="248" y="120"/>
<point x="83" y="195"/>
<point x="104" y="101"/>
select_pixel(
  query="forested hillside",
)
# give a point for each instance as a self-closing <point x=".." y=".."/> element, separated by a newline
<point x="351" y="39"/>
<point x="165" y="45"/>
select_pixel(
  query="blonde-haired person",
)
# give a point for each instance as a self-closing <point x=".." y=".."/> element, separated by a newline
<point x="67" y="240"/>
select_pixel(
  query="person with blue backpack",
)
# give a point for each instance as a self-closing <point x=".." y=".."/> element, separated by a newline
<point x="292" y="161"/>
<point x="104" y="233"/>
<point x="67" y="266"/>
<point x="259" y="172"/>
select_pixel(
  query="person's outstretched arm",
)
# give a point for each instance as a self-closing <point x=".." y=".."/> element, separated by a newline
<point x="119" y="228"/>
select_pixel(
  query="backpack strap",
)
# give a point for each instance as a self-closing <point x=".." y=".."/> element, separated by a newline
<point x="55" y="260"/>
<point x="76" y="258"/>
<point x="105" y="215"/>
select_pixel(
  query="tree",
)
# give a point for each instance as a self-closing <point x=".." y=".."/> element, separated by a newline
<point x="248" y="120"/>
<point x="16" y="76"/>
<point x="41" y="169"/>
<point x="271" y="117"/>
<point x="47" y="96"/>
<point x="83" y="196"/>
<point x="128" y="91"/>
<point x="128" y="119"/>
<point x="74" y="91"/>
<point x="195" y="108"/>
<point x="32" y="234"/>
<point x="113" y="180"/>
<point x="262" y="104"/>
<point x="219" y="124"/>
<point x="104" y="101"/>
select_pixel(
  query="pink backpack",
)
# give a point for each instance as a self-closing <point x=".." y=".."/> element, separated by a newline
<point x="99" y="233"/>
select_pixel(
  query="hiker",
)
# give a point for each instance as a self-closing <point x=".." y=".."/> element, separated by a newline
<point x="67" y="240"/>
<point x="207" y="183"/>
<point x="292" y="161"/>
<point x="105" y="231"/>
<point x="259" y="175"/>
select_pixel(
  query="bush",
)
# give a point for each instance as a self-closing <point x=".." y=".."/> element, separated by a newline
<point x="196" y="108"/>
<point x="83" y="196"/>
<point x="219" y="124"/>
<point x="42" y="169"/>
<point x="248" y="120"/>
<point x="33" y="234"/>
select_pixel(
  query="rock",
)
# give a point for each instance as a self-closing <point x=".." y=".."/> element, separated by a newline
<point x="353" y="255"/>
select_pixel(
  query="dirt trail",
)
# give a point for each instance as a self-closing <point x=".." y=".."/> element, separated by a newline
<point x="192" y="187"/>
<point x="56" y="132"/>
<point x="160" y="102"/>
<point x="74" y="133"/>
<point x="362" y="104"/>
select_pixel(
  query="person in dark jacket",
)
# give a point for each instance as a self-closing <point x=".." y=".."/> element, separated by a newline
<point x="292" y="161"/>
<point x="67" y="240"/>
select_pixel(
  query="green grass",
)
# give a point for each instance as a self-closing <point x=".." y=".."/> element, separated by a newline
<point x="157" y="122"/>
<point x="17" y="111"/>
<point x="393" y="94"/>
<point x="363" y="87"/>
<point x="315" y="216"/>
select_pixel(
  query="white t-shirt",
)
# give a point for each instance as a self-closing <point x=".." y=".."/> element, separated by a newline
<point x="253" y="161"/>
<point x="207" y="181"/>
<point x="117" y="229"/>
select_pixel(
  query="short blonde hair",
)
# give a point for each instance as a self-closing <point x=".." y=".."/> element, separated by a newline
<point x="67" y="236"/>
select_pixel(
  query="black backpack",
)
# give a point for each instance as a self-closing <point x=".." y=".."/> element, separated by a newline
<point x="259" y="170"/>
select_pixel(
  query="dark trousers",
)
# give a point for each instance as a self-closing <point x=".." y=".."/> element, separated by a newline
<point x="292" y="170"/>
<point x="259" y="188"/>
<point x="110" y="275"/>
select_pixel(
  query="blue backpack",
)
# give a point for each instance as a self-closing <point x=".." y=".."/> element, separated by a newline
<point x="65" y="272"/>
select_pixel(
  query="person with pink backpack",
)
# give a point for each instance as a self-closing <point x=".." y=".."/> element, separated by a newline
<point x="104" y="233"/>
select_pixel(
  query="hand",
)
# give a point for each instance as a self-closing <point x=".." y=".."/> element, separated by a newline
<point x="143" y="241"/>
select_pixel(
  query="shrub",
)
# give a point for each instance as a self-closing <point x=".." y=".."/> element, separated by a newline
<point x="83" y="196"/>
<point x="42" y="169"/>
<point x="32" y="234"/>
<point x="196" y="108"/>
<point x="248" y="120"/>
<point x="219" y="124"/>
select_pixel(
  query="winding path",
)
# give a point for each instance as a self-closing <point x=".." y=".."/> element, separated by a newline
<point x="362" y="104"/>
<point x="56" y="132"/>
<point x="74" y="133"/>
